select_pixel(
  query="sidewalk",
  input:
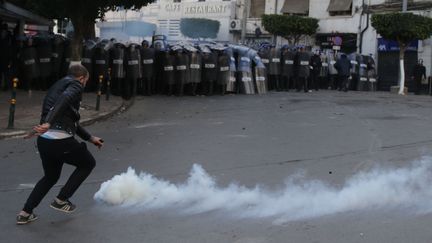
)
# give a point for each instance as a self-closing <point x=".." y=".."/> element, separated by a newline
<point x="28" y="108"/>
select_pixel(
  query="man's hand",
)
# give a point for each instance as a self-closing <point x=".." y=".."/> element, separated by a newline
<point x="98" y="142"/>
<point x="38" y="130"/>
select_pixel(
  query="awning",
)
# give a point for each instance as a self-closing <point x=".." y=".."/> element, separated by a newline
<point x="339" y="5"/>
<point x="295" y="7"/>
<point x="10" y="12"/>
<point x="257" y="8"/>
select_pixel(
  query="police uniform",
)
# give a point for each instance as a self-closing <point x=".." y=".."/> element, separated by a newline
<point x="29" y="66"/>
<point x="44" y="53"/>
<point x="87" y="62"/>
<point x="209" y="77"/>
<point x="182" y="70"/>
<point x="57" y="56"/>
<point x="116" y="63"/>
<point x="133" y="70"/>
<point x="315" y="64"/>
<point x="223" y="77"/>
<point x="354" y="71"/>
<point x="288" y="74"/>
<point x="274" y="69"/>
<point x="303" y="70"/>
<point x="195" y="71"/>
<point x="168" y="69"/>
<point x="148" y="69"/>
<point x="67" y="55"/>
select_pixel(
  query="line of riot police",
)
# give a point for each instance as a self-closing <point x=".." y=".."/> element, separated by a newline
<point x="296" y="68"/>
<point x="37" y="61"/>
<point x="186" y="68"/>
<point x="179" y="69"/>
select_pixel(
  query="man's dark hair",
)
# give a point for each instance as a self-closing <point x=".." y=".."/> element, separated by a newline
<point x="78" y="70"/>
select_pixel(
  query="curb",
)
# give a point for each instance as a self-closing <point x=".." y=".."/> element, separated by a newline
<point x="126" y="104"/>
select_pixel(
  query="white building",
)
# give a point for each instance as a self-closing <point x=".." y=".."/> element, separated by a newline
<point x="164" y="17"/>
<point x="348" y="20"/>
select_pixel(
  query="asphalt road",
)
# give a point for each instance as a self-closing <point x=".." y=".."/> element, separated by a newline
<point x="250" y="140"/>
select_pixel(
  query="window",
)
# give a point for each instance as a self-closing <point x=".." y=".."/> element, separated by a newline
<point x="340" y="8"/>
<point x="296" y="7"/>
<point x="257" y="8"/>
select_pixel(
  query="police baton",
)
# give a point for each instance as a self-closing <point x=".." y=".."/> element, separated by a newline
<point x="12" y="104"/>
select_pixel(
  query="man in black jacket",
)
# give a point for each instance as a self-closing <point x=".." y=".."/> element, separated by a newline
<point x="57" y="145"/>
<point x="343" y="66"/>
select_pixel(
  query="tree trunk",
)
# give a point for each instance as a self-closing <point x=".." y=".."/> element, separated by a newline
<point x="402" y="48"/>
<point x="83" y="29"/>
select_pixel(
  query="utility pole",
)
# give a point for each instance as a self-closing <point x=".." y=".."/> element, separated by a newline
<point x="246" y="4"/>
<point x="275" y="12"/>
<point x="404" y="5"/>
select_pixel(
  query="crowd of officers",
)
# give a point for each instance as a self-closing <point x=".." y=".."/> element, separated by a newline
<point x="183" y="68"/>
<point x="36" y="61"/>
<point x="152" y="69"/>
<point x="299" y="69"/>
<point x="207" y="69"/>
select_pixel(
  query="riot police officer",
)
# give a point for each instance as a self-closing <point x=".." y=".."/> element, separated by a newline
<point x="57" y="56"/>
<point x="195" y="70"/>
<point x="6" y="56"/>
<point x="354" y="78"/>
<point x="223" y="76"/>
<point x="302" y="63"/>
<point x="274" y="69"/>
<point x="67" y="55"/>
<point x="116" y="63"/>
<point x="148" y="60"/>
<point x="316" y="65"/>
<point x="169" y="63"/>
<point x="133" y="70"/>
<point x="44" y="53"/>
<point x="244" y="70"/>
<point x="362" y="84"/>
<point x="371" y="73"/>
<point x="288" y="57"/>
<point x="333" y="73"/>
<point x="264" y="54"/>
<point x="87" y="61"/>
<point x="231" y="86"/>
<point x="209" y="77"/>
<point x="324" y="72"/>
<point x="29" y="68"/>
<point x="343" y="66"/>
<point x="182" y="70"/>
<point x="100" y="65"/>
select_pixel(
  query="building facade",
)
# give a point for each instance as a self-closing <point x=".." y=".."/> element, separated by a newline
<point x="344" y="23"/>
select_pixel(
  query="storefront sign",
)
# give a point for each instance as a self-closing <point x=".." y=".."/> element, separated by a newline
<point x="388" y="45"/>
<point x="195" y="9"/>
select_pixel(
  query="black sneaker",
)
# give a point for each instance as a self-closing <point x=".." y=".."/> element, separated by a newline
<point x="65" y="206"/>
<point x="20" y="219"/>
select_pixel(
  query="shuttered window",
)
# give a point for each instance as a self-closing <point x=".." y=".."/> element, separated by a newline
<point x="296" y="7"/>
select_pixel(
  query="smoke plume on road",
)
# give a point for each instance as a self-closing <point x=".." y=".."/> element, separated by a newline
<point x="408" y="187"/>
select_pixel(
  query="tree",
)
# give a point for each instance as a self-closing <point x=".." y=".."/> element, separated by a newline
<point x="82" y="13"/>
<point x="290" y="27"/>
<point x="199" y="28"/>
<point x="403" y="28"/>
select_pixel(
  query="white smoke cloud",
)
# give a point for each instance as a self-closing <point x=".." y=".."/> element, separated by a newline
<point x="408" y="187"/>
